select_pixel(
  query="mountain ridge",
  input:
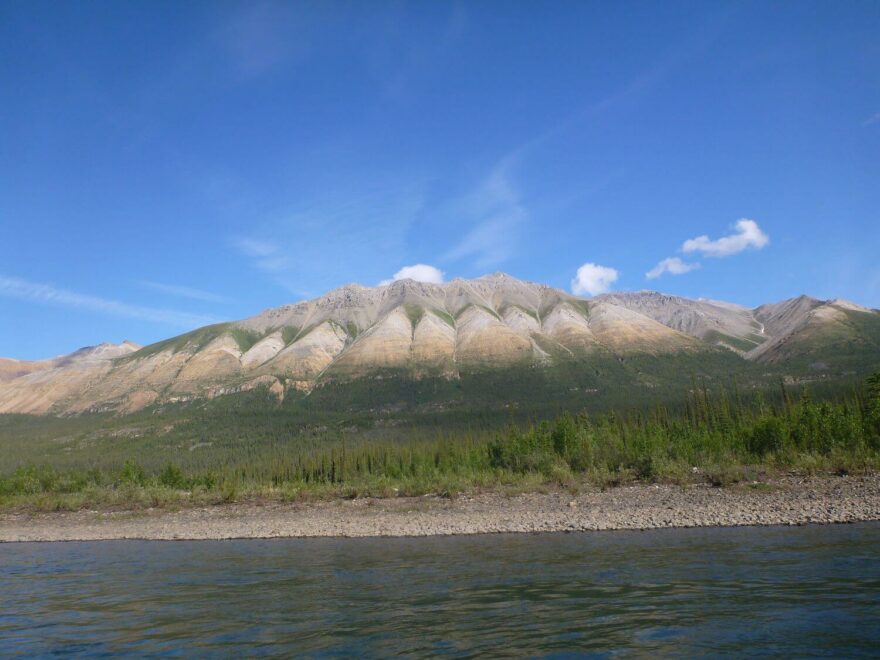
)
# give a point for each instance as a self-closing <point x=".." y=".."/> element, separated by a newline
<point x="447" y="330"/>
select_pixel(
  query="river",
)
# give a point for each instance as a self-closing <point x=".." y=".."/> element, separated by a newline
<point x="811" y="590"/>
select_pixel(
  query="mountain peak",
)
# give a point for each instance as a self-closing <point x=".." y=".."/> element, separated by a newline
<point x="409" y="283"/>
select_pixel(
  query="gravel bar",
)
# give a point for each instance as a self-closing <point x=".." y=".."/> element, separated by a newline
<point x="784" y="501"/>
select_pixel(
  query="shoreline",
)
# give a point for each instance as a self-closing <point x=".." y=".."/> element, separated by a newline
<point x="782" y="501"/>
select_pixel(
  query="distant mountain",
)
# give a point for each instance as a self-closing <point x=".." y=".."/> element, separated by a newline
<point x="495" y="324"/>
<point x="801" y="331"/>
<point x="10" y="368"/>
<point x="723" y="324"/>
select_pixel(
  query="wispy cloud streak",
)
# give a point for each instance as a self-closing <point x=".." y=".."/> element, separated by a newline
<point x="184" y="292"/>
<point x="496" y="215"/>
<point x="499" y="215"/>
<point x="303" y="248"/>
<point x="14" y="287"/>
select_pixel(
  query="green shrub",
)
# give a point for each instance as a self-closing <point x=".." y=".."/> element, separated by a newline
<point x="872" y="412"/>
<point x="172" y="477"/>
<point x="132" y="474"/>
<point x="769" y="434"/>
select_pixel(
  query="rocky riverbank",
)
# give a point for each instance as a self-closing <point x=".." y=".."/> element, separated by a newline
<point x="786" y="501"/>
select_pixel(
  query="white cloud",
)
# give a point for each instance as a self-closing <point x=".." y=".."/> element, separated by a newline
<point x="14" y="287"/>
<point x="593" y="279"/>
<point x="748" y="235"/>
<point x="673" y="266"/>
<point x="417" y="272"/>
<point x="184" y="291"/>
<point x="873" y="119"/>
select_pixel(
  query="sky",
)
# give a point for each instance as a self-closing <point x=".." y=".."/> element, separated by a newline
<point x="164" y="165"/>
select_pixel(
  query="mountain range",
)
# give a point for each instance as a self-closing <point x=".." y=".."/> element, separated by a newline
<point x="447" y="332"/>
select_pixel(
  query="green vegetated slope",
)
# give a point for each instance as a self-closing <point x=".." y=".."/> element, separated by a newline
<point x="717" y="434"/>
<point x="193" y="340"/>
<point x="393" y="404"/>
<point x="594" y="383"/>
<point x="743" y="344"/>
<point x="850" y="342"/>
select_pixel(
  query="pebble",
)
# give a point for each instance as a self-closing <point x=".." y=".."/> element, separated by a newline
<point x="792" y="501"/>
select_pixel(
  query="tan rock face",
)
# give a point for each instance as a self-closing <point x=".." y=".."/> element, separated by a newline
<point x="37" y="393"/>
<point x="219" y="360"/>
<point x="482" y="339"/>
<point x="64" y="383"/>
<point x="713" y="321"/>
<point x="155" y="372"/>
<point x="308" y="356"/>
<point x="521" y="321"/>
<point x="10" y="369"/>
<point x="387" y="345"/>
<point x="263" y="351"/>
<point x="433" y="345"/>
<point x="567" y="326"/>
<point x="625" y="331"/>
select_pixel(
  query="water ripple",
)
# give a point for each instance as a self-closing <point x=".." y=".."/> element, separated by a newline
<point x="804" y="591"/>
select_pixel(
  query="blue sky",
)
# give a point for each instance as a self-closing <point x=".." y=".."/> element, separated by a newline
<point x="168" y="164"/>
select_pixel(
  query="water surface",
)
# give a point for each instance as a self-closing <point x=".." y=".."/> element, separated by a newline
<point x="798" y="591"/>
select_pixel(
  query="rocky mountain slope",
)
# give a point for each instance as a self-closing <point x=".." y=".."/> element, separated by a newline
<point x="777" y="333"/>
<point x="724" y="324"/>
<point x="490" y="323"/>
<point x="10" y="368"/>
